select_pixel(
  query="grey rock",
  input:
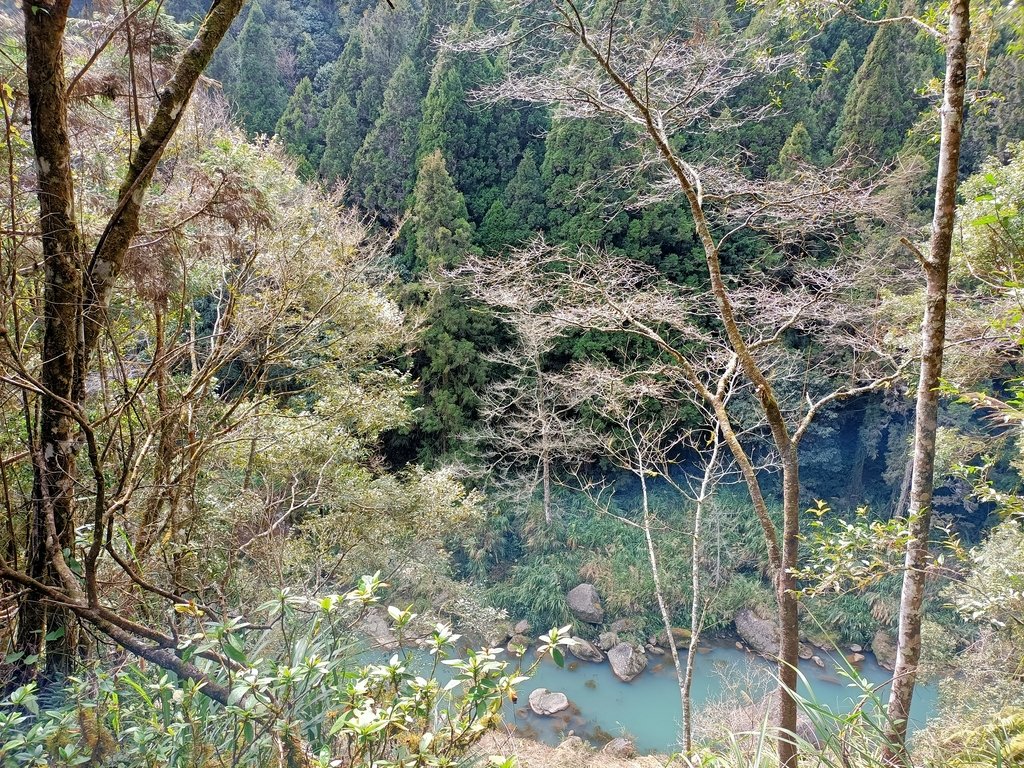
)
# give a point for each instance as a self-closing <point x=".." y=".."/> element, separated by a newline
<point x="585" y="650"/>
<point x="654" y="650"/>
<point x="855" y="658"/>
<point x="818" y="660"/>
<point x="680" y="635"/>
<point x="762" y="635"/>
<point x="883" y="645"/>
<point x="585" y="603"/>
<point x="621" y="625"/>
<point x="376" y="626"/>
<point x="856" y="648"/>
<point x="518" y="644"/>
<point x="607" y="640"/>
<point x="620" y="748"/>
<point x="521" y="628"/>
<point x="572" y="744"/>
<point x="626" y="661"/>
<point x="546" y="703"/>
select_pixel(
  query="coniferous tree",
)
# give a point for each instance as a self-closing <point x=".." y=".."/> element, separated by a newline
<point x="520" y="212"/>
<point x="830" y="94"/>
<point x="341" y="141"/>
<point x="383" y="168"/>
<point x="578" y="156"/>
<point x="298" y="129"/>
<point x="450" y="366"/>
<point x="881" y="105"/>
<point x="439" y="217"/>
<point x="482" y="144"/>
<point x="258" y="91"/>
<point x="797" y="149"/>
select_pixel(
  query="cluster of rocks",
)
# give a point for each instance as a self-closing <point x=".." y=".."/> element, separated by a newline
<point x="628" y="659"/>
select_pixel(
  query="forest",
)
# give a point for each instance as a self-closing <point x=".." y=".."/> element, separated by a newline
<point x="513" y="383"/>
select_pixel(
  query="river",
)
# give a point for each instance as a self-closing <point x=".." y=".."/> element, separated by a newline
<point x="648" y="709"/>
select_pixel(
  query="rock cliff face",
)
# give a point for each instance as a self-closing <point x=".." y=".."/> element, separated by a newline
<point x="626" y="661"/>
<point x="585" y="603"/>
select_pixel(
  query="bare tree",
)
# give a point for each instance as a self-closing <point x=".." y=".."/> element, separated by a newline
<point x="933" y="338"/>
<point x="647" y="447"/>
<point x="526" y="427"/>
<point x="589" y="289"/>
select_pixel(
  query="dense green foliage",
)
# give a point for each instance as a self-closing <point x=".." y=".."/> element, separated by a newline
<point x="289" y="389"/>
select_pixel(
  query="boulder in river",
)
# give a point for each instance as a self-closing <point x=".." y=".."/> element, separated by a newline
<point x="626" y="661"/>
<point x="762" y="635"/>
<point x="883" y="645"/>
<point x="585" y="603"/>
<point x="655" y="650"/>
<point x="607" y="640"/>
<point x="620" y="748"/>
<point x="855" y="658"/>
<point x="572" y="743"/>
<point x="546" y="703"/>
<point x="585" y="650"/>
<point x="521" y="628"/>
<point x="680" y="635"/>
<point x="621" y="625"/>
<point x="856" y="648"/>
<point x="377" y="627"/>
<point x="818" y="660"/>
<point x="518" y="645"/>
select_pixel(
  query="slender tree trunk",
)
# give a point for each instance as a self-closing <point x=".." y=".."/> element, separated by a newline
<point x="652" y="557"/>
<point x="789" y="621"/>
<point x="933" y="335"/>
<point x="695" y="610"/>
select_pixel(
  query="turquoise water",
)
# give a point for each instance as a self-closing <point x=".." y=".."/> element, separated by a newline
<point x="648" y="709"/>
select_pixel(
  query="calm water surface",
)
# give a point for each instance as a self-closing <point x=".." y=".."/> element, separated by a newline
<point x="648" y="709"/>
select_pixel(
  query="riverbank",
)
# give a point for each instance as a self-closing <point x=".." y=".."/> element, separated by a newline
<point x="573" y="752"/>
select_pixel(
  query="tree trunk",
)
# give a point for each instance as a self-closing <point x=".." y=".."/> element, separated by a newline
<point x="695" y="611"/>
<point x="54" y="466"/>
<point x="933" y="335"/>
<point x="75" y="298"/>
<point x="789" y="622"/>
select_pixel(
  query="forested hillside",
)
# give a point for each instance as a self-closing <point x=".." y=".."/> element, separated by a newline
<point x="624" y="335"/>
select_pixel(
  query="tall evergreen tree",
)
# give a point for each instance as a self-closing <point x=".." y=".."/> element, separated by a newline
<point x="439" y="217"/>
<point x="519" y="212"/>
<point x="258" y="90"/>
<point x="881" y="105"/>
<point x="480" y="144"/>
<point x="796" y="150"/>
<point x="579" y="156"/>
<point x="450" y="366"/>
<point x="383" y="168"/>
<point x="830" y="94"/>
<point x="298" y="129"/>
<point x="342" y="140"/>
